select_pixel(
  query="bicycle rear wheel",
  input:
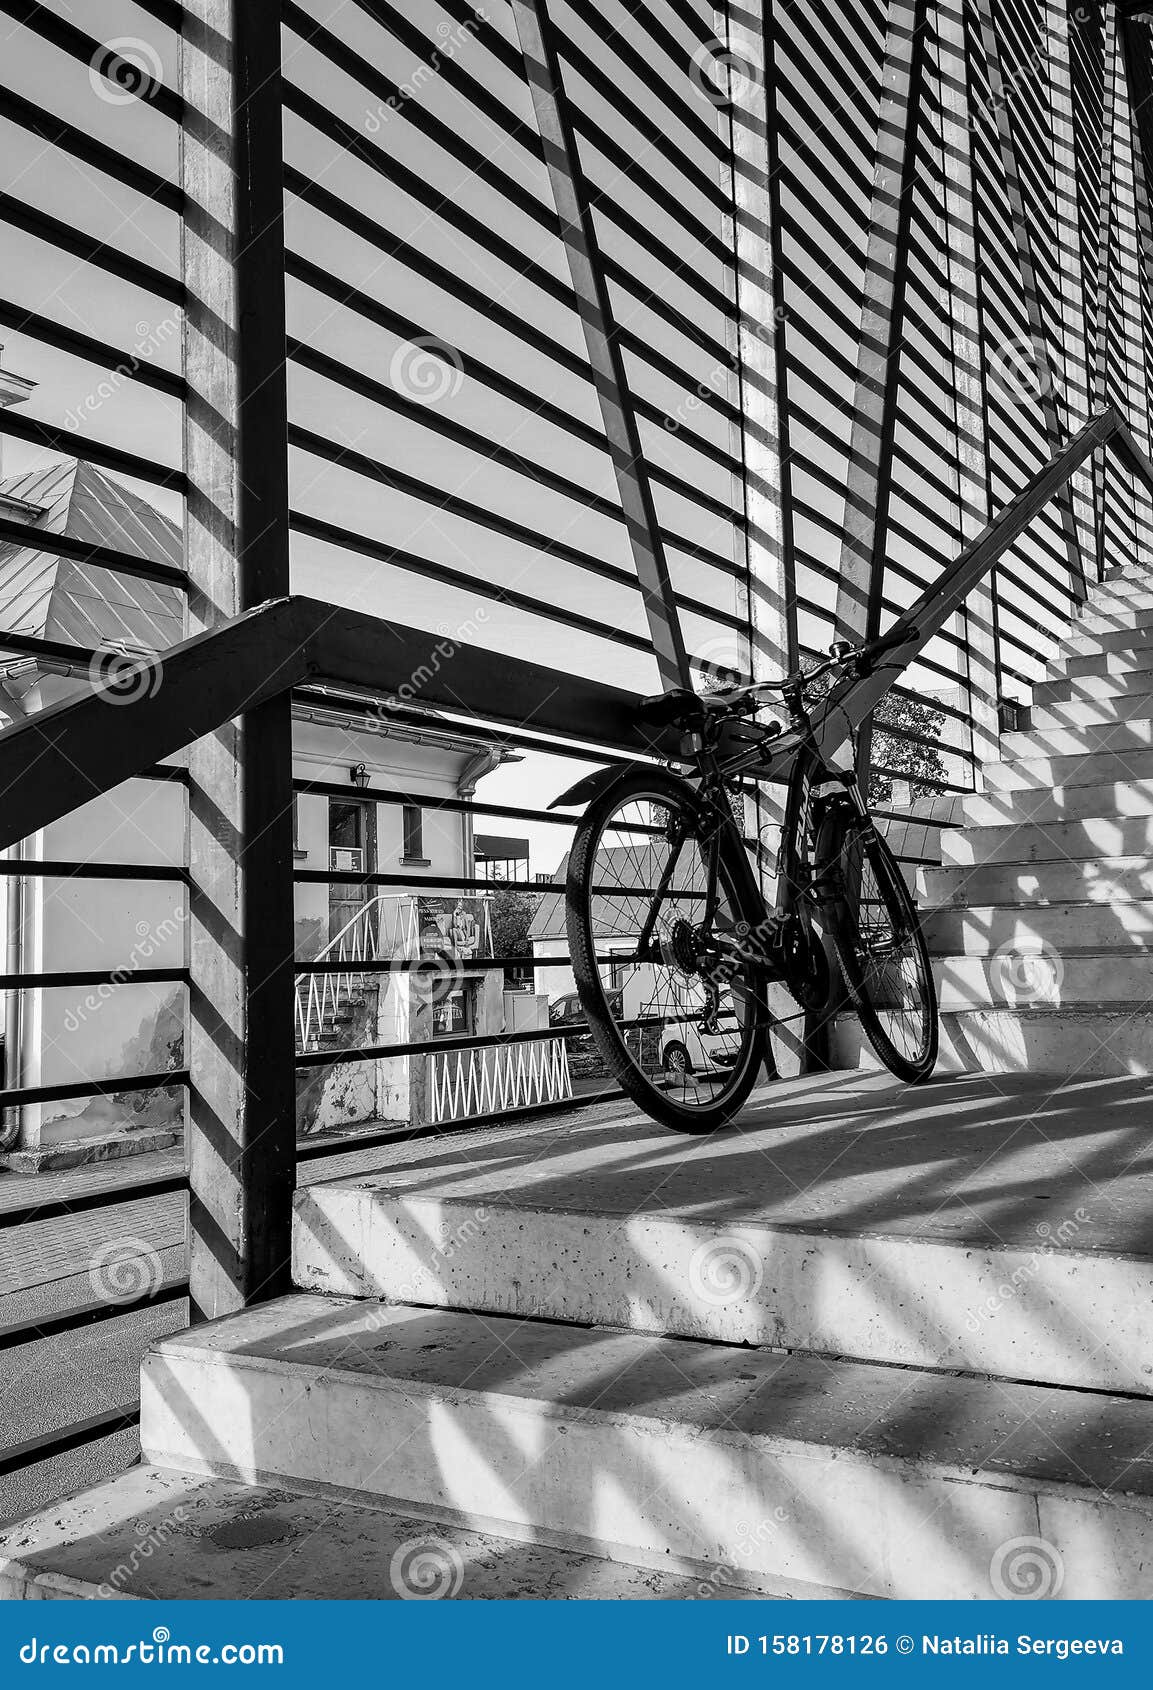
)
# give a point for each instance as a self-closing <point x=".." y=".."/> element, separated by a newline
<point x="877" y="936"/>
<point x="683" y="1029"/>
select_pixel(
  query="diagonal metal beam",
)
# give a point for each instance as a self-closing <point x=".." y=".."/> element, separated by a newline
<point x="1042" y="363"/>
<point x="861" y="572"/>
<point x="853" y="699"/>
<point x="571" y="196"/>
<point x="54" y="761"/>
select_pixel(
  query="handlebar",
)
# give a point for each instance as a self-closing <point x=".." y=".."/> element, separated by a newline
<point x="685" y="709"/>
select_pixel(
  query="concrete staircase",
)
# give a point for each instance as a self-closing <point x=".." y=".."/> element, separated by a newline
<point x="834" y="1353"/>
<point x="1042" y="915"/>
<point x="881" y="1341"/>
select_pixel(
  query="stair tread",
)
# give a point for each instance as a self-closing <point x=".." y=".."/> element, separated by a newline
<point x="1017" y="1435"/>
<point x="212" y="1538"/>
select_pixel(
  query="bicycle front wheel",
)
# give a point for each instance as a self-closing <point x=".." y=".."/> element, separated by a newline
<point x="873" y="924"/>
<point x="679" y="1019"/>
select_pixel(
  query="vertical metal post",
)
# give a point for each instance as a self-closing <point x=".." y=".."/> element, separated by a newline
<point x="969" y="398"/>
<point x="1078" y="397"/>
<point x="1042" y="363"/>
<point x="241" y="1041"/>
<point x="570" y="193"/>
<point x="764" y="426"/>
<point x="1104" y="294"/>
<point x="1135" y="255"/>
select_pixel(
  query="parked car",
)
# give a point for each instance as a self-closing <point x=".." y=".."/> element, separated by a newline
<point x="684" y="1049"/>
<point x="564" y="1011"/>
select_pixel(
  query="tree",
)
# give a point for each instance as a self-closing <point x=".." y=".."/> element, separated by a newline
<point x="907" y="759"/>
<point x="510" y="916"/>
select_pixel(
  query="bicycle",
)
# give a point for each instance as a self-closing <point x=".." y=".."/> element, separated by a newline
<point x="669" y="930"/>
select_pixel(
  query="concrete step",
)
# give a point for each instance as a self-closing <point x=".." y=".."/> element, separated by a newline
<point x="1122" y="709"/>
<point x="1092" y="642"/>
<point x="1093" y="880"/>
<point x="1098" y="662"/>
<point x="1006" y="838"/>
<point x="633" y="1447"/>
<point x="1126" y="594"/>
<point x="1133" y="684"/>
<point x="1122" y="618"/>
<point x="1042" y="976"/>
<point x="1125" y="929"/>
<point x="1077" y="768"/>
<point x="154" y="1534"/>
<point x="924" y="1293"/>
<point x="1077" y="739"/>
<point x="1013" y="807"/>
<point x="1091" y="1044"/>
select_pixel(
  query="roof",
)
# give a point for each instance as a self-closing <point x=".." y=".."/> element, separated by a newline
<point x="64" y="599"/>
<point x="500" y="847"/>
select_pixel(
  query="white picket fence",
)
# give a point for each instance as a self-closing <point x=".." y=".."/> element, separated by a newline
<point x="482" y="1082"/>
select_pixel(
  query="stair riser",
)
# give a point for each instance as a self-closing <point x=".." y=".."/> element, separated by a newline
<point x="1135" y="685"/>
<point x="1079" y="768"/>
<point x="1042" y="884"/>
<point x="1126" y="929"/>
<point x="1023" y="980"/>
<point x="632" y="1484"/>
<point x="1043" y="804"/>
<point x="1078" y="739"/>
<point x="1107" y="601"/>
<point x="1132" y="710"/>
<point x="794" y="1290"/>
<point x="1008" y="840"/>
<point x="1125" y="620"/>
<point x="1113" y="639"/>
<point x="1092" y="1044"/>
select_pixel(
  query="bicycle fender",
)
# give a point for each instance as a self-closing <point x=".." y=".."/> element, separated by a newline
<point x="593" y="785"/>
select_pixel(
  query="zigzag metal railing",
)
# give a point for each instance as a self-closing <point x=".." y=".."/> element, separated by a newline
<point x="480" y="1082"/>
<point x="322" y="996"/>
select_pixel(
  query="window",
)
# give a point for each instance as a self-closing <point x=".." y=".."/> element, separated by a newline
<point x="413" y="823"/>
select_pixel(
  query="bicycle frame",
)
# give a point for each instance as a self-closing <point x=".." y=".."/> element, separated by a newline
<point x="796" y="757"/>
